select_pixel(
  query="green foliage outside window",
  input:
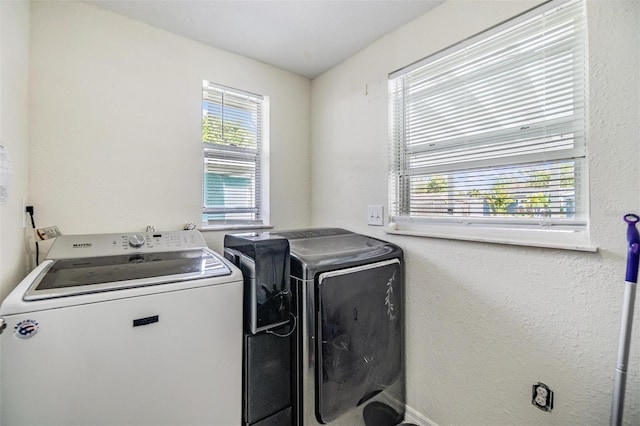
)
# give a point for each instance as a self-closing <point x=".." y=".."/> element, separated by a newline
<point x="233" y="132"/>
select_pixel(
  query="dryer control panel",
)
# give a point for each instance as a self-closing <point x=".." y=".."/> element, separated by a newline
<point x="97" y="245"/>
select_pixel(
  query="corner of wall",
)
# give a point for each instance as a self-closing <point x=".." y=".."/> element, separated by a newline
<point x="14" y="137"/>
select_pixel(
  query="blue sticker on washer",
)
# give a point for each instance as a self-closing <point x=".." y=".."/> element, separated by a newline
<point x="26" y="329"/>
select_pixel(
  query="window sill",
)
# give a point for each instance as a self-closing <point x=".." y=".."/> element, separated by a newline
<point x="546" y="239"/>
<point x="206" y="228"/>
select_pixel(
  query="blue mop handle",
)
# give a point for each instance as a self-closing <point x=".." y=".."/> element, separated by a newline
<point x="626" y="324"/>
<point x="633" y="255"/>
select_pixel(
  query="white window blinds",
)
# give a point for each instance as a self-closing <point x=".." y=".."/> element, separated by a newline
<point x="492" y="130"/>
<point x="232" y="137"/>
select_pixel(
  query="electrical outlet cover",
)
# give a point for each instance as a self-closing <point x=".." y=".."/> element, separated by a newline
<point x="542" y="396"/>
<point x="49" y="232"/>
<point x="375" y="215"/>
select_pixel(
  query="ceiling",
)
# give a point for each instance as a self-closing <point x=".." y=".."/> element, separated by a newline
<point x="305" y="37"/>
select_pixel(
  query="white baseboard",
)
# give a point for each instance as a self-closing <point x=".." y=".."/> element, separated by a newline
<point x="412" y="416"/>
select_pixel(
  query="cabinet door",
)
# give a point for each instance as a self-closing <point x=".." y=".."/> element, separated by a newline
<point x="360" y="343"/>
<point x="267" y="375"/>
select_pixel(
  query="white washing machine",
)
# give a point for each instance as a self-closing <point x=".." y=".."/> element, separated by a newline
<point x="124" y="329"/>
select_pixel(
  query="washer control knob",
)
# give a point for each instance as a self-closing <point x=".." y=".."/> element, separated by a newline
<point x="136" y="240"/>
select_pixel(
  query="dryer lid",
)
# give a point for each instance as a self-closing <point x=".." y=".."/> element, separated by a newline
<point x="334" y="246"/>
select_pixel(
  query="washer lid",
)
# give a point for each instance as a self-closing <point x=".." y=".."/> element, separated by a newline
<point x="68" y="277"/>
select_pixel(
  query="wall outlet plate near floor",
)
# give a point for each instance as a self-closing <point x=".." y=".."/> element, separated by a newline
<point x="542" y="396"/>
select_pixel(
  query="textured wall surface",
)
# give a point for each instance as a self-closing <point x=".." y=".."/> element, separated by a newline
<point x="14" y="136"/>
<point x="115" y="123"/>
<point x="486" y="321"/>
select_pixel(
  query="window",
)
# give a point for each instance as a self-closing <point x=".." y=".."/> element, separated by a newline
<point x="233" y="137"/>
<point x="488" y="136"/>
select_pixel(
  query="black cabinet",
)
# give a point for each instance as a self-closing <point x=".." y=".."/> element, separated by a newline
<point x="267" y="377"/>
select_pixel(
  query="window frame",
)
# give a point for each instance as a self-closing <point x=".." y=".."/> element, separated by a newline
<point x="229" y="152"/>
<point x="572" y="233"/>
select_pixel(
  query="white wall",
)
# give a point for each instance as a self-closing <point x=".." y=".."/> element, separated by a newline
<point x="115" y="123"/>
<point x="486" y="321"/>
<point x="14" y="136"/>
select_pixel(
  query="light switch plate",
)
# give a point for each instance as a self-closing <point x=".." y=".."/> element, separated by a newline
<point x="375" y="215"/>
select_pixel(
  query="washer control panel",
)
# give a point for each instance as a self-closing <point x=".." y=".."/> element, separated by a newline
<point x="96" y="245"/>
<point x="136" y="240"/>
